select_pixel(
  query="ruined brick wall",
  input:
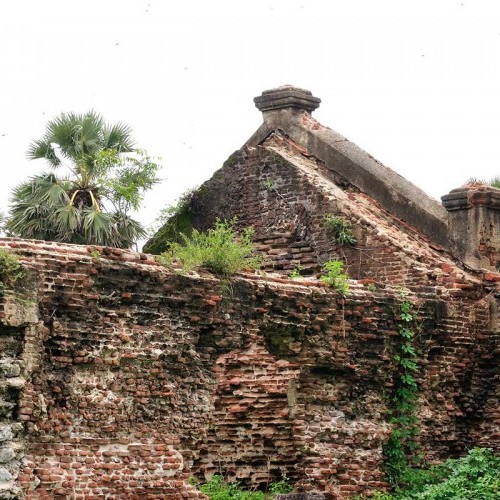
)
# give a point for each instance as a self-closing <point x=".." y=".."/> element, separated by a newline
<point x="11" y="448"/>
<point x="284" y="194"/>
<point x="135" y="378"/>
<point x="105" y="370"/>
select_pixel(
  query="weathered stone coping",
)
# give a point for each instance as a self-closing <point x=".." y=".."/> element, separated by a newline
<point x="391" y="190"/>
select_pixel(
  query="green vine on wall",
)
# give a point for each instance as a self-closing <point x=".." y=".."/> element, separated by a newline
<point x="400" y="450"/>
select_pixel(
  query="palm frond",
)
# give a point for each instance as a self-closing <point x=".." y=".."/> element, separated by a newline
<point x="61" y="131"/>
<point x="68" y="219"/>
<point x="127" y="231"/>
<point x="34" y="204"/>
<point x="31" y="221"/>
<point x="42" y="188"/>
<point x="53" y="192"/>
<point x="119" y="138"/>
<point x="77" y="135"/>
<point x="97" y="227"/>
<point x="42" y="149"/>
<point x="90" y="133"/>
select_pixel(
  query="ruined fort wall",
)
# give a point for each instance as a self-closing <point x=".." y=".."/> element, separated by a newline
<point x="284" y="194"/>
<point x="136" y="378"/>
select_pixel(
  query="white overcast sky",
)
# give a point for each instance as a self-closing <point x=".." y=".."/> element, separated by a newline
<point x="414" y="83"/>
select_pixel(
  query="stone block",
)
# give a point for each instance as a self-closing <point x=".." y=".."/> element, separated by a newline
<point x="7" y="454"/>
<point x="5" y="475"/>
<point x="6" y="433"/>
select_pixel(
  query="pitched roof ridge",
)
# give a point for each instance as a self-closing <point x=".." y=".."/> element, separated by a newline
<point x="356" y="204"/>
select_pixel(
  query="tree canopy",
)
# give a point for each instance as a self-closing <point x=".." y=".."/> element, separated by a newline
<point x="96" y="179"/>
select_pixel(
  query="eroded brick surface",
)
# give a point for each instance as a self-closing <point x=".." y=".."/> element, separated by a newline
<point x="284" y="193"/>
<point x="137" y="378"/>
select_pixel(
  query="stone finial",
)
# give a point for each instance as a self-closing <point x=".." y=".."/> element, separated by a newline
<point x="474" y="224"/>
<point x="286" y="97"/>
<point x="471" y="195"/>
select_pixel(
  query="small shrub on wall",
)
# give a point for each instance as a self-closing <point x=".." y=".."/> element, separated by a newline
<point x="218" y="489"/>
<point x="336" y="277"/>
<point x="341" y="230"/>
<point x="473" y="477"/>
<point x="11" y="270"/>
<point x="221" y="250"/>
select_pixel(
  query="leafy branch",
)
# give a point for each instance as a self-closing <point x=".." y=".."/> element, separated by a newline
<point x="11" y="270"/>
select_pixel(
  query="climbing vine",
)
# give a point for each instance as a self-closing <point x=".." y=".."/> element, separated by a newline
<point x="400" y="450"/>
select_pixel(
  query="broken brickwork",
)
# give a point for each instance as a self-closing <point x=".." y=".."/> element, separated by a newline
<point x="122" y="379"/>
<point x="135" y="378"/>
<point x="293" y="171"/>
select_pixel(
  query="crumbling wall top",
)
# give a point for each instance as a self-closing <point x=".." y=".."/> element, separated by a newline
<point x="288" y="109"/>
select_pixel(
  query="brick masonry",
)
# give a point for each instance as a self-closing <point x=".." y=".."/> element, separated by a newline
<point x="122" y="379"/>
<point x="284" y="194"/>
<point x="132" y="378"/>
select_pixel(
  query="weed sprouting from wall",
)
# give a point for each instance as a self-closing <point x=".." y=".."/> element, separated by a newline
<point x="336" y="277"/>
<point x="220" y="249"/>
<point x="341" y="230"/>
<point x="11" y="270"/>
<point x="218" y="489"/>
<point x="295" y="272"/>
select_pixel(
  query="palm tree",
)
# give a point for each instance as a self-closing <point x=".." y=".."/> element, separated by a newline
<point x="105" y="180"/>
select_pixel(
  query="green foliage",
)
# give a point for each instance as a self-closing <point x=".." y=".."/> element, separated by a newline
<point x="171" y="223"/>
<point x="96" y="254"/>
<point x="105" y="179"/>
<point x="401" y="443"/>
<point x="341" y="230"/>
<point x="282" y="486"/>
<point x="220" y="249"/>
<point x="3" y="221"/>
<point x="268" y="184"/>
<point x="295" y="272"/>
<point x="372" y="287"/>
<point x="11" y="270"/>
<point x="381" y="496"/>
<point x="475" y="476"/>
<point x="218" y="489"/>
<point x="335" y="277"/>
